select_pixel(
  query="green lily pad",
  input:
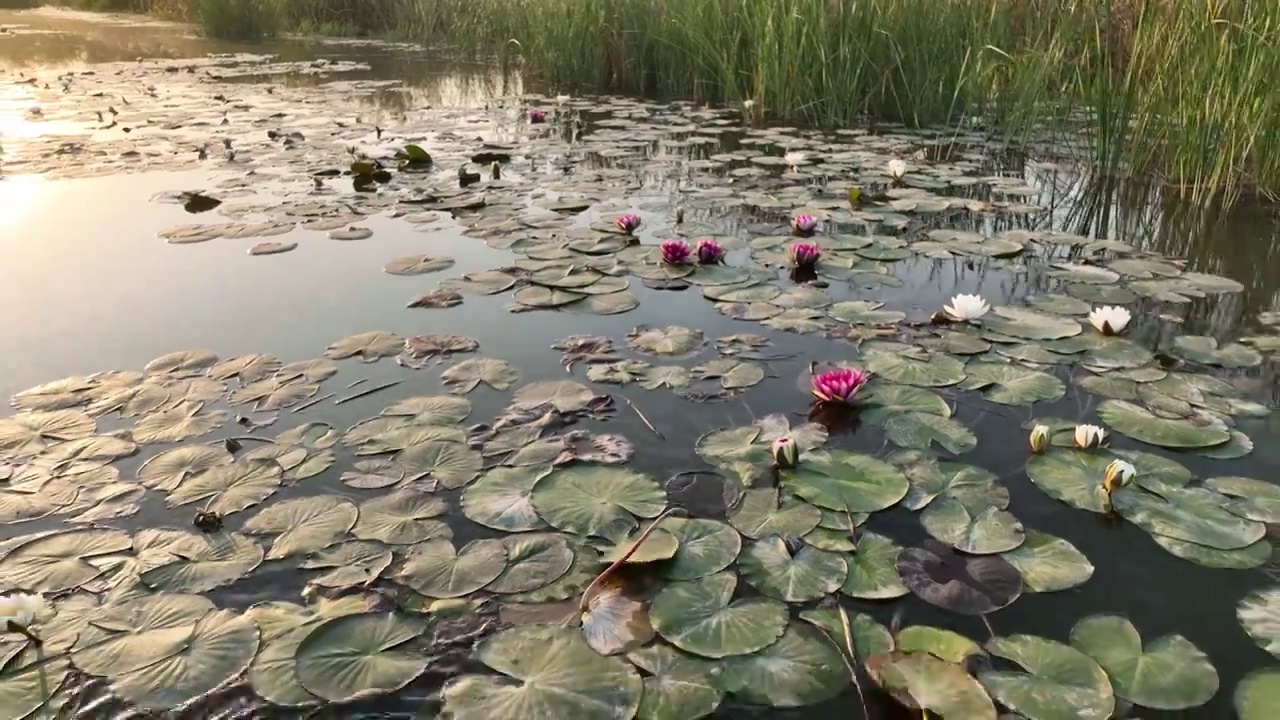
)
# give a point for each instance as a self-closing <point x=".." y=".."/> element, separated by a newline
<point x="369" y="346"/>
<point x="873" y="570"/>
<point x="358" y="656"/>
<point x="658" y="546"/>
<point x="1030" y="325"/>
<point x="677" y="686"/>
<point x="601" y="501"/>
<point x="917" y="430"/>
<point x="547" y="671"/>
<point x="1012" y="385"/>
<point x="351" y="563"/>
<point x="503" y="498"/>
<point x="403" y="517"/>
<point x="451" y="464"/>
<point x="884" y="400"/>
<point x="667" y="342"/>
<point x="230" y="488"/>
<point x="1168" y="674"/>
<point x="846" y="481"/>
<point x="566" y="395"/>
<point x="970" y="585"/>
<point x="1072" y="476"/>
<point x="182" y="562"/>
<point x="909" y="365"/>
<point x="938" y="642"/>
<point x="1252" y="499"/>
<point x="801" y="668"/>
<point x="759" y="514"/>
<point x="614" y="622"/>
<point x="769" y="566"/>
<point x="534" y="560"/>
<point x="1059" y="682"/>
<point x="984" y="533"/>
<point x="975" y="487"/>
<point x="865" y="312"/>
<point x="698" y="617"/>
<point x="1205" y="350"/>
<point x="1049" y="564"/>
<point x="1140" y="424"/>
<point x="1245" y="558"/>
<point x="1190" y="514"/>
<point x="60" y="561"/>
<point x="435" y="569"/>
<point x="941" y="687"/>
<point x="305" y="524"/>
<point x="705" y="547"/>
<point x="1259" y="613"/>
<point x="1258" y="695"/>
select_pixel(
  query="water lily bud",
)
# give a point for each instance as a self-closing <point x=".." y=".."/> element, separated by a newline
<point x="1088" y="437"/>
<point x="1119" y="473"/>
<point x="785" y="453"/>
<point x="1039" y="438"/>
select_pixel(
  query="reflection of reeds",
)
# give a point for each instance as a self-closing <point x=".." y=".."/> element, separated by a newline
<point x="1182" y="90"/>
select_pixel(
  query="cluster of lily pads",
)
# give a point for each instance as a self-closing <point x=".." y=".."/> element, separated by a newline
<point x="656" y="611"/>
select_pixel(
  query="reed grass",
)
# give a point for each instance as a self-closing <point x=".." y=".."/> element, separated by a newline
<point x="1178" y="90"/>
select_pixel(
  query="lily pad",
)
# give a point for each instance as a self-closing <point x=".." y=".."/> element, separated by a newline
<point x="305" y="525"/>
<point x="1049" y="564"/>
<point x="801" y="668"/>
<point x="698" y="617"/>
<point x="601" y="501"/>
<point x="678" y="686"/>
<point x="1259" y="613"/>
<point x="1059" y="682"/>
<point x="668" y="342"/>
<point x="359" y="656"/>
<point x="848" y="482"/>
<point x="759" y="514"/>
<point x="503" y="498"/>
<point x="401" y="518"/>
<point x="417" y="265"/>
<point x="1012" y="385"/>
<point x="941" y="687"/>
<point x="769" y="566"/>
<point x="909" y="365"/>
<point x="182" y="562"/>
<point x="986" y="532"/>
<point x="435" y="569"/>
<point x="1140" y="424"/>
<point x="548" y="671"/>
<point x="369" y="346"/>
<point x="1168" y="674"/>
<point x="873" y="571"/>
<point x="468" y="374"/>
<point x="1258" y="695"/>
<point x="615" y="622"/>
<point x="1072" y="476"/>
<point x="967" y="585"/>
<point x="1190" y="514"/>
<point x="705" y="547"/>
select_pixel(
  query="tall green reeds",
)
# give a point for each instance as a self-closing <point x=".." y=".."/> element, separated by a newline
<point x="1182" y="90"/>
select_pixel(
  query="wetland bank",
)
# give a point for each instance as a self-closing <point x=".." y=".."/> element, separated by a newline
<point x="300" y="418"/>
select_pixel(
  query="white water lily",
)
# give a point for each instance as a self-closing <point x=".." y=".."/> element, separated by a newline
<point x="897" y="169"/>
<point x="964" y="308"/>
<point x="1109" y="319"/>
<point x="794" y="159"/>
<point x="1090" y="436"/>
<point x="1039" y="438"/>
<point x="748" y="104"/>
<point x="1119" y="473"/>
<point x="22" y="609"/>
<point x="562" y="99"/>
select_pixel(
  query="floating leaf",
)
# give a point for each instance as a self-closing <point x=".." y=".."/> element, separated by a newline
<point x="452" y="465"/>
<point x="1072" y="476"/>
<point x="677" y="686"/>
<point x="759" y="515"/>
<point x="1257" y="696"/>
<point x="548" y="671"/>
<point x="229" y="488"/>
<point x="615" y="623"/>
<point x="401" y="518"/>
<point x="909" y="365"/>
<point x="185" y="363"/>
<point x="848" y="482"/>
<point x="940" y="643"/>
<point x="670" y="341"/>
<point x="369" y="346"/>
<point x="864" y="312"/>
<point x="869" y="637"/>
<point x="873" y="571"/>
<point x="355" y="562"/>
<point x="1205" y="350"/>
<point x="600" y="501"/>
<point x="1168" y="674"/>
<point x="986" y="532"/>
<point x="533" y="560"/>
<point x="968" y="585"/>
<point x="1259" y="613"/>
<point x="1253" y="499"/>
<point x="59" y="561"/>
<point x="1190" y="514"/>
<point x="1059" y="682"/>
<point x="165" y="471"/>
<point x="305" y="524"/>
<point x="698" y="617"/>
<point x="801" y="668"/>
<point x="359" y="656"/>
<point x="436" y="570"/>
<point x="466" y="375"/>
<point x="915" y="430"/>
<point x="941" y="687"/>
<point x="1049" y="564"/>
<point x="1140" y="424"/>
<point x="502" y="498"/>
<point x="1012" y="385"/>
<point x="417" y="265"/>
<point x="658" y="546"/>
<point x="183" y="562"/>
<point x="769" y="566"/>
<point x="29" y="433"/>
<point x="705" y="547"/>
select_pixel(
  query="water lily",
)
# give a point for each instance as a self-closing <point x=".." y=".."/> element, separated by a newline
<point x="786" y="454"/>
<point x="562" y="99"/>
<point x="748" y="104"/>
<point x="794" y="160"/>
<point x="804" y="224"/>
<point x="1087" y="437"/>
<point x="1109" y="319"/>
<point x="839" y="386"/>
<point x="675" y="252"/>
<point x="537" y="116"/>
<point x="965" y="308"/>
<point x="897" y="169"/>
<point x="1039" y="438"/>
<point x="804" y="255"/>
<point x="19" y="610"/>
<point x="710" y="252"/>
<point x="627" y="223"/>
<point x="1119" y="473"/>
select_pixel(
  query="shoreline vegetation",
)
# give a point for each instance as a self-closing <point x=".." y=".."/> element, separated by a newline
<point x="1177" y="91"/>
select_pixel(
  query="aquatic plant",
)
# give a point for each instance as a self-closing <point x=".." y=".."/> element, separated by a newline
<point x="537" y="116"/>
<point x="786" y="454"/>
<point x="1087" y="437"/>
<point x="794" y="160"/>
<point x="1119" y="474"/>
<point x="805" y="255"/>
<point x="710" y="252"/>
<point x="966" y="308"/>
<point x="676" y="252"/>
<point x="1109" y="320"/>
<point x="1039" y="438"/>
<point x="804" y="224"/>
<point x="840" y="385"/>
<point x="628" y="223"/>
<point x="897" y="170"/>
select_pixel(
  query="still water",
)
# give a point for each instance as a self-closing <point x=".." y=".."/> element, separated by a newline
<point x="88" y="284"/>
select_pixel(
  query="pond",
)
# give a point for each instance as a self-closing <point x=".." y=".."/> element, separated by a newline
<point x="341" y="370"/>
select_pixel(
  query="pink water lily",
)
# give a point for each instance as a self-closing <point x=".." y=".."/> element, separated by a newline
<point x="627" y="223"/>
<point x="537" y="116"/>
<point x="839" y="386"/>
<point x="676" y="252"/>
<point x="804" y="224"/>
<point x="805" y="255"/>
<point x="710" y="252"/>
